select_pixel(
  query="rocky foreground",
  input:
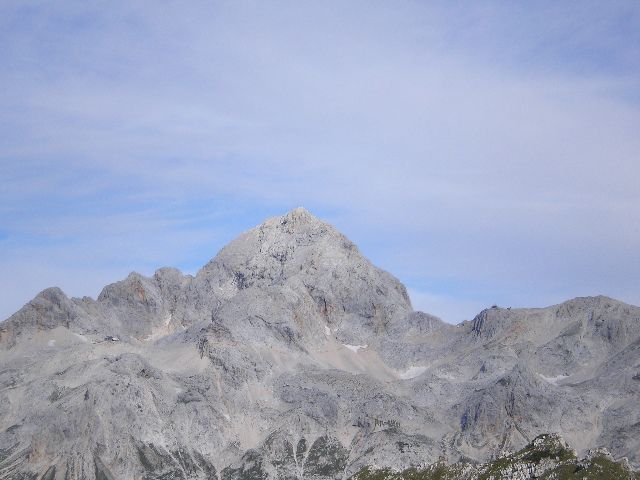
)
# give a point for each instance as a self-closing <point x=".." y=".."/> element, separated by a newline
<point x="289" y="355"/>
<point x="547" y="457"/>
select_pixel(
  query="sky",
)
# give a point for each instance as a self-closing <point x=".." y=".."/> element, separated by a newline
<point x="483" y="152"/>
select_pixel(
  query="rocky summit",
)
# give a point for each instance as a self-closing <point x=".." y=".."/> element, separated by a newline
<point x="289" y="355"/>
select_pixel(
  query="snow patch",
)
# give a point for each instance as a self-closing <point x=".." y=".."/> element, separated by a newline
<point x="51" y="342"/>
<point x="327" y="331"/>
<point x="553" y="380"/>
<point x="354" y="348"/>
<point x="412" y="372"/>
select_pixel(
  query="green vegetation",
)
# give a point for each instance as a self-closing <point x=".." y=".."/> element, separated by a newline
<point x="549" y="448"/>
<point x="599" y="467"/>
<point x="546" y="457"/>
<point x="438" y="471"/>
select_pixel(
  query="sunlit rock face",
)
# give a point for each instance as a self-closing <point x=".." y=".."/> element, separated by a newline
<point x="289" y="355"/>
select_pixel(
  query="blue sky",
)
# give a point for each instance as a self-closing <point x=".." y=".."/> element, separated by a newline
<point x="482" y="152"/>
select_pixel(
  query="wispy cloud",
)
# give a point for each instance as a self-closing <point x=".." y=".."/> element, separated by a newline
<point x="483" y="153"/>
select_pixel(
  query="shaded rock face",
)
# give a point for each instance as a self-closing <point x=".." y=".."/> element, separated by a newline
<point x="289" y="355"/>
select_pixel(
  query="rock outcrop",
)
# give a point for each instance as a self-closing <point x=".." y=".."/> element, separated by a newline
<point x="547" y="456"/>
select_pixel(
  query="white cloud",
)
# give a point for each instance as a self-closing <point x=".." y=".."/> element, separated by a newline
<point x="491" y="149"/>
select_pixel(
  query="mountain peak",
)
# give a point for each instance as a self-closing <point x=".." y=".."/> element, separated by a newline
<point x="319" y="268"/>
<point x="300" y="213"/>
<point x="296" y="221"/>
<point x="285" y="238"/>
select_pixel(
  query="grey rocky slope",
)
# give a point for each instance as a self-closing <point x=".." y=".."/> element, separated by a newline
<point x="290" y="355"/>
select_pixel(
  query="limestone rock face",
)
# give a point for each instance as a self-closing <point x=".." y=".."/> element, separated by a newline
<point x="289" y="355"/>
<point x="306" y="265"/>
